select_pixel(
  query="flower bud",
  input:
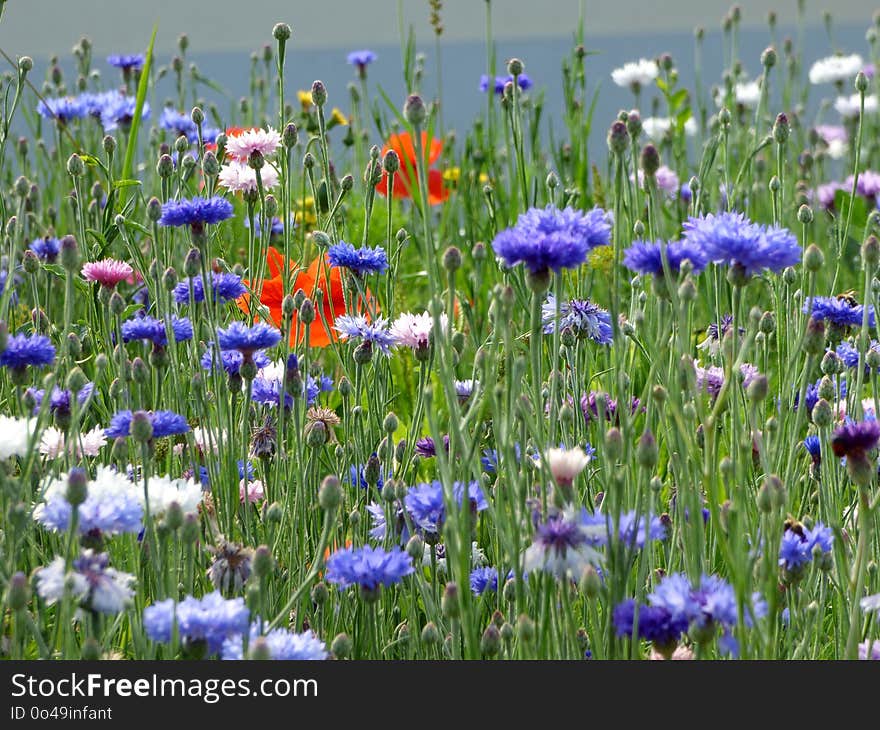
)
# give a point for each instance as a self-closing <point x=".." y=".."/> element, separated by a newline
<point x="414" y="110"/>
<point x="330" y="493"/>
<point x="341" y="646"/>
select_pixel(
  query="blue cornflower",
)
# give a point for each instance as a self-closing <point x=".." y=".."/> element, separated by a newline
<point x="247" y="340"/>
<point x="800" y="544"/>
<point x="231" y="360"/>
<point x="357" y="477"/>
<point x="281" y="643"/>
<point x="645" y="257"/>
<point x="368" y="567"/>
<point x="427" y="449"/>
<point x="23" y="350"/>
<point x="583" y="317"/>
<point x="551" y="239"/>
<point x="425" y="504"/>
<point x="601" y="529"/>
<point x="499" y="82"/>
<point x="838" y="311"/>
<point x="361" y="59"/>
<point x="113" y="505"/>
<point x="195" y="212"/>
<point x="126" y="61"/>
<point x="655" y="624"/>
<point x="270" y="392"/>
<point x="484" y="579"/>
<point x="153" y="330"/>
<point x="118" y="110"/>
<point x="277" y="227"/>
<point x="813" y="447"/>
<point x="62" y="109"/>
<point x="358" y="328"/>
<point x="731" y="238"/>
<point x="46" y="248"/>
<point x="379" y="529"/>
<point x="225" y="287"/>
<point x="179" y="123"/>
<point x="211" y="619"/>
<point x="489" y="459"/>
<point x="165" y="423"/>
<point x="361" y="261"/>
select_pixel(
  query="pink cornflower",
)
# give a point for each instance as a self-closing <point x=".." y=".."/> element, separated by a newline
<point x="252" y="491"/>
<point x="108" y="273"/>
<point x="414" y="330"/>
<point x="264" y="141"/>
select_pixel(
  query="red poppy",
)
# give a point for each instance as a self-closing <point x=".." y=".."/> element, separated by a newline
<point x="406" y="178"/>
<point x="272" y="294"/>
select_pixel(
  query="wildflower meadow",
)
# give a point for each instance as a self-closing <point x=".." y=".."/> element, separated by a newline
<point x="320" y="377"/>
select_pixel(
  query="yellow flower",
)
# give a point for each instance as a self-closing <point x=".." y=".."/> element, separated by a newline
<point x="600" y="259"/>
<point x="452" y="174"/>
<point x="305" y="98"/>
<point x="337" y="117"/>
<point x="484" y="178"/>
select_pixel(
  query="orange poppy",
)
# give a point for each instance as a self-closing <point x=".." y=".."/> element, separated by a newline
<point x="272" y="294"/>
<point x="406" y="178"/>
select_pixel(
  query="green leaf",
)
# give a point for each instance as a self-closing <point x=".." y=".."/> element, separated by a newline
<point x="661" y="84"/>
<point x="128" y="164"/>
<point x="678" y="98"/>
<point x="126" y="183"/>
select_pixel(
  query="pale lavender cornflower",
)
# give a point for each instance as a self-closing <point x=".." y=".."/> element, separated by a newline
<point x="91" y="581"/>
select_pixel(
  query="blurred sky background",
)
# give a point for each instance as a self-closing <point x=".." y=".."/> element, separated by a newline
<point x="223" y="33"/>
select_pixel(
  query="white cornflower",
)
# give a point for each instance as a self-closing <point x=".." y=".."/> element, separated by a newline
<point x="414" y="330"/>
<point x="208" y="442"/>
<point x="636" y="74"/>
<point x="97" y="586"/>
<point x="656" y="128"/>
<point x="239" y="177"/>
<point x="16" y="436"/>
<point x="849" y="107"/>
<point x="566" y="464"/>
<point x="835" y="68"/>
<point x="747" y="94"/>
<point x="53" y="443"/>
<point x="166" y="490"/>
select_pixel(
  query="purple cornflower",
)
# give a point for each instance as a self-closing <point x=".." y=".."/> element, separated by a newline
<point x="211" y="619"/>
<point x="585" y="319"/>
<point x="165" y="423"/>
<point x="426" y="448"/>
<point x="248" y="340"/>
<point x="369" y="568"/>
<point x="358" y="328"/>
<point x="361" y="261"/>
<point x="59" y="400"/>
<point x="226" y="287"/>
<point x="545" y="239"/>
<point x="426" y="505"/>
<point x="27" y="350"/>
<point x="854" y="440"/>
<point x="601" y="529"/>
<point x="153" y="330"/>
<point x="838" y="311"/>
<point x="195" y="212"/>
<point x="732" y="239"/>
<point x="126" y="61"/>
<point x="46" y="248"/>
<point x="645" y="257"/>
